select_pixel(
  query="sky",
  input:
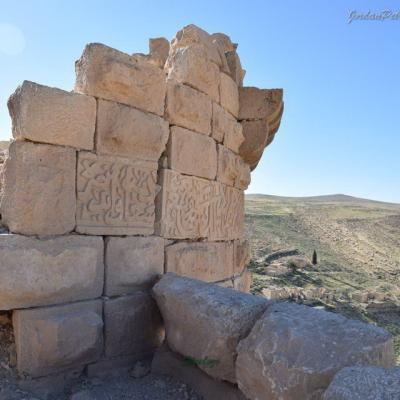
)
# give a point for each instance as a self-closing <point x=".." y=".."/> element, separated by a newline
<point x="340" y="132"/>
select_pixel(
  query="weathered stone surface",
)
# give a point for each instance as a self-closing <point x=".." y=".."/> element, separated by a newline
<point x="223" y="41"/>
<point x="190" y="65"/>
<point x="159" y="49"/>
<point x="294" y="351"/>
<point x="49" y="115"/>
<point x="188" y="108"/>
<point x="192" y="35"/>
<point x="232" y="170"/>
<point x="258" y="103"/>
<point x="189" y="207"/>
<point x="236" y="71"/>
<point x="243" y="282"/>
<point x="37" y="272"/>
<point x="192" y="153"/>
<point x="39" y="189"/>
<point x="255" y="140"/>
<point x="229" y="94"/>
<point x="365" y="383"/>
<point x="112" y="75"/>
<point x="241" y="255"/>
<point x="233" y="137"/>
<point x="115" y="196"/>
<point x="55" y="339"/>
<point x="132" y="325"/>
<point x="126" y="131"/>
<point x="207" y="261"/>
<point x="206" y="322"/>
<point x="132" y="262"/>
<point x="166" y="362"/>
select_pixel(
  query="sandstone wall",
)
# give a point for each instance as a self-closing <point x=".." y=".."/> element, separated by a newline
<point x="140" y="170"/>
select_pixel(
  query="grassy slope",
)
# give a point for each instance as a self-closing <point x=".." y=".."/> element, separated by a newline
<point x="357" y="241"/>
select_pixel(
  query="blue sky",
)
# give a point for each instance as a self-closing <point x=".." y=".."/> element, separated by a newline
<point x="340" y="132"/>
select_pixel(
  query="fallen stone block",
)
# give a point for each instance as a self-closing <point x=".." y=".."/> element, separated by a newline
<point x="190" y="65"/>
<point x="191" y="153"/>
<point x="126" y="131"/>
<point x="166" y="362"/>
<point x="232" y="170"/>
<point x="50" y="115"/>
<point x="112" y="75"/>
<point x="37" y="272"/>
<point x="294" y="351"/>
<point x="205" y="322"/>
<point x="229" y="94"/>
<point x="55" y="339"/>
<point x="258" y="103"/>
<point x="39" y="189"/>
<point x="132" y="325"/>
<point x="206" y="261"/>
<point x="255" y="140"/>
<point x="188" y="207"/>
<point x="365" y="383"/>
<point x="188" y="108"/>
<point x="132" y="262"/>
<point x="115" y="195"/>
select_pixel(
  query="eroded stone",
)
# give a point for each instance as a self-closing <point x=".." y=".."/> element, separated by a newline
<point x="132" y="262"/>
<point x="241" y="255"/>
<point x="126" y="131"/>
<point x="56" y="339"/>
<point x="243" y="282"/>
<point x="191" y="153"/>
<point x="294" y="351"/>
<point x="188" y="108"/>
<point x="229" y="95"/>
<point x="36" y="272"/>
<point x="132" y="325"/>
<point x="112" y="75"/>
<point x="115" y="195"/>
<point x="39" y="189"/>
<point x="206" y="322"/>
<point x="207" y="261"/>
<point x="50" y="115"/>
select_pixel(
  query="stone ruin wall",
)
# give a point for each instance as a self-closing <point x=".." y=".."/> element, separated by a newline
<point x="140" y="170"/>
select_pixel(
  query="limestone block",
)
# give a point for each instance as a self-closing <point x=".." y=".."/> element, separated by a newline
<point x="112" y="75"/>
<point x="241" y="255"/>
<point x="115" y="195"/>
<point x="188" y="108"/>
<point x="294" y="351"/>
<point x="255" y="139"/>
<point x="132" y="262"/>
<point x="232" y="170"/>
<point x="190" y="65"/>
<point x="225" y="128"/>
<point x="166" y="362"/>
<point x="192" y="35"/>
<point x="37" y="272"/>
<point x="206" y="322"/>
<point x="188" y="207"/>
<point x="132" y="325"/>
<point x="233" y="137"/>
<point x="126" y="131"/>
<point x="258" y="103"/>
<point x="243" y="282"/>
<point x="159" y="49"/>
<point x="236" y="71"/>
<point x="39" y="189"/>
<point x="56" y="339"/>
<point x="50" y="115"/>
<point x="229" y="94"/>
<point x="191" y="153"/>
<point x="365" y="383"/>
<point x="207" y="261"/>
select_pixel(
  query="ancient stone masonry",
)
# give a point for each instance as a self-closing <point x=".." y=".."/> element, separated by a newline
<point x="140" y="170"/>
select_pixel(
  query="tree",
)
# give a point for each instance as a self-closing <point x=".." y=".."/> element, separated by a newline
<point x="314" y="258"/>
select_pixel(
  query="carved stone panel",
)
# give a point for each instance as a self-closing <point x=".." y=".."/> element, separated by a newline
<point x="115" y="196"/>
<point x="190" y="208"/>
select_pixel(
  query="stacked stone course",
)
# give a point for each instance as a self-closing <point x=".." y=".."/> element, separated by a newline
<point x="140" y="170"/>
